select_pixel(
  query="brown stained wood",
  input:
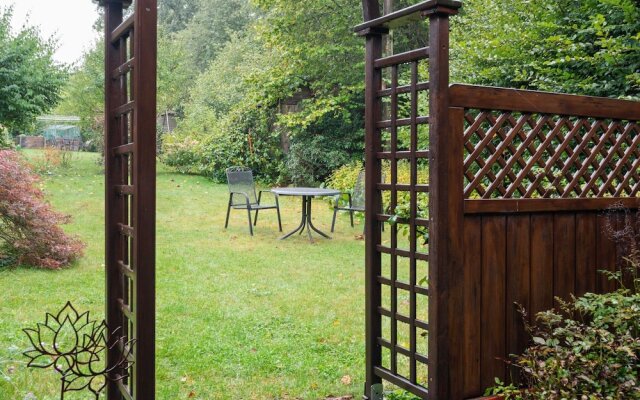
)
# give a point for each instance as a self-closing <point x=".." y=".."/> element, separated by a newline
<point x="472" y="282"/>
<point x="121" y="30"/>
<point x="483" y="97"/>
<point x="370" y="9"/>
<point x="421" y="87"/>
<point x="144" y="199"/>
<point x="546" y="205"/>
<point x="493" y="318"/>
<point x="542" y="276"/>
<point x="446" y="210"/>
<point x="373" y="113"/>
<point x="585" y="253"/>
<point x="518" y="282"/>
<point x="605" y="254"/>
<point x="113" y="203"/>
<point x="627" y="221"/>
<point x="402" y="122"/>
<point x="407" y="15"/>
<point x="402" y="58"/>
<point x="564" y="255"/>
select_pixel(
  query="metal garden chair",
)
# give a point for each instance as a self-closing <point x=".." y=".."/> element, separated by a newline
<point x="242" y="196"/>
<point x="356" y="201"/>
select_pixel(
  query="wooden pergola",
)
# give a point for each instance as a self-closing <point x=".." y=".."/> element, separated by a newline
<point x="517" y="184"/>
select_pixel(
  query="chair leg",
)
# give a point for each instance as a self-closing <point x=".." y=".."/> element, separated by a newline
<point x="333" y="222"/>
<point x="351" y="215"/>
<point x="250" y="224"/>
<point x="226" y="222"/>
<point x="278" y="212"/>
<point x="255" y="220"/>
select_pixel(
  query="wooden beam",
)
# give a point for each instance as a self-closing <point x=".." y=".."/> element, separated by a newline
<point x="407" y="15"/>
<point x="494" y="98"/>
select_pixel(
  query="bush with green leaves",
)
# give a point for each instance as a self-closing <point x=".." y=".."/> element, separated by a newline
<point x="6" y="142"/>
<point x="587" y="350"/>
<point x="590" y="347"/>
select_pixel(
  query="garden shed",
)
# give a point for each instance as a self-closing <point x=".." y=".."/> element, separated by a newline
<point x="67" y="136"/>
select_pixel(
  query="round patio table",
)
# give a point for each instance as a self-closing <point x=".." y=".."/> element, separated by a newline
<point x="307" y="195"/>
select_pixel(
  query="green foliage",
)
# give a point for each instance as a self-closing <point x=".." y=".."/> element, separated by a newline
<point x="30" y="81"/>
<point x="345" y="177"/>
<point x="211" y="27"/>
<point x="174" y="15"/>
<point x="6" y="142"/>
<point x="83" y="96"/>
<point x="399" y="395"/>
<point x="589" y="348"/>
<point x="584" y="47"/>
<point x="591" y="353"/>
<point x="325" y="145"/>
<point x="241" y="138"/>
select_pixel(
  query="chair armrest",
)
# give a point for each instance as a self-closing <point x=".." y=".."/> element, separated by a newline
<point x="246" y="196"/>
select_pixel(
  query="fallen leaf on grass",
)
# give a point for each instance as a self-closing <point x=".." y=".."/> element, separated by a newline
<point x="346" y="380"/>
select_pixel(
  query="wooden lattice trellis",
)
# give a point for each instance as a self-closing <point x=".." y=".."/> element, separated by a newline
<point x="130" y="166"/>
<point x="523" y="155"/>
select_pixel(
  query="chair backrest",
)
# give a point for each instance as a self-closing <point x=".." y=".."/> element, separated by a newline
<point x="357" y="197"/>
<point x="240" y="180"/>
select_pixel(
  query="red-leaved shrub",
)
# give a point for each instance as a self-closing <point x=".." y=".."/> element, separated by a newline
<point x="29" y="228"/>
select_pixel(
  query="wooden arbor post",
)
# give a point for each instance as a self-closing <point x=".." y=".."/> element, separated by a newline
<point x="444" y="224"/>
<point x="130" y="167"/>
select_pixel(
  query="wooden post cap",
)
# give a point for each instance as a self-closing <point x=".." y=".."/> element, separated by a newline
<point x="101" y="3"/>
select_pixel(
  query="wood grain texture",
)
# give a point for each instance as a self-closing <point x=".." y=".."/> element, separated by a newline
<point x="585" y="253"/>
<point x="518" y="282"/>
<point x="564" y="254"/>
<point x="493" y="318"/>
<point x="493" y="98"/>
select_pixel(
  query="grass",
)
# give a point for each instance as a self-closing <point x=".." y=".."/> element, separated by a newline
<point x="238" y="317"/>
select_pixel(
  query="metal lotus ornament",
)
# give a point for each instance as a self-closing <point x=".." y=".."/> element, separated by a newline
<point x="76" y="347"/>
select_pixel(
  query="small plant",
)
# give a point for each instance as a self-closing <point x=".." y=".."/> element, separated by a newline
<point x="5" y="139"/>
<point x="29" y="228"/>
<point x="590" y="347"/>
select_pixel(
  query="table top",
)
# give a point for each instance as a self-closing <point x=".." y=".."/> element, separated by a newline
<point x="304" y="191"/>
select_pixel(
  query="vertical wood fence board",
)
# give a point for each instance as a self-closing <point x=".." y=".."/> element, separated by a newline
<point x="585" y="253"/>
<point x="493" y="299"/>
<point x="518" y="267"/>
<point x="605" y="254"/>
<point x="564" y="255"/>
<point x="472" y="347"/>
<point x="541" y="262"/>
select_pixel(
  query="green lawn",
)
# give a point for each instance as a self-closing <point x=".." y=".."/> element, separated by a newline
<point x="238" y="317"/>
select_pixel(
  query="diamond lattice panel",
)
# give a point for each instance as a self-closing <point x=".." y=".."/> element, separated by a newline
<point x="517" y="155"/>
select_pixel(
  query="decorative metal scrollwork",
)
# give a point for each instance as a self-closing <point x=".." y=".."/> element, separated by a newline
<point x="75" y="346"/>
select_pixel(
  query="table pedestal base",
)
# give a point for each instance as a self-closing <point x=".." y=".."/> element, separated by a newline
<point x="305" y="222"/>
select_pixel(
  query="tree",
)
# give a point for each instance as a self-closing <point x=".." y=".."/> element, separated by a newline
<point x="84" y="95"/>
<point x="174" y="15"/>
<point x="30" y="80"/>
<point x="587" y="47"/>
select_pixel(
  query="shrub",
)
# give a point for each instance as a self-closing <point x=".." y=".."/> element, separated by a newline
<point x="590" y="348"/>
<point x="29" y="228"/>
<point x="5" y="139"/>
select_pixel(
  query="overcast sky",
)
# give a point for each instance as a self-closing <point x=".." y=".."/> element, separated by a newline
<point x="71" y="21"/>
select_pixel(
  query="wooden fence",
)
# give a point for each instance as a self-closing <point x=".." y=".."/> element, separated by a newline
<point x="519" y="187"/>
<point x="540" y="171"/>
